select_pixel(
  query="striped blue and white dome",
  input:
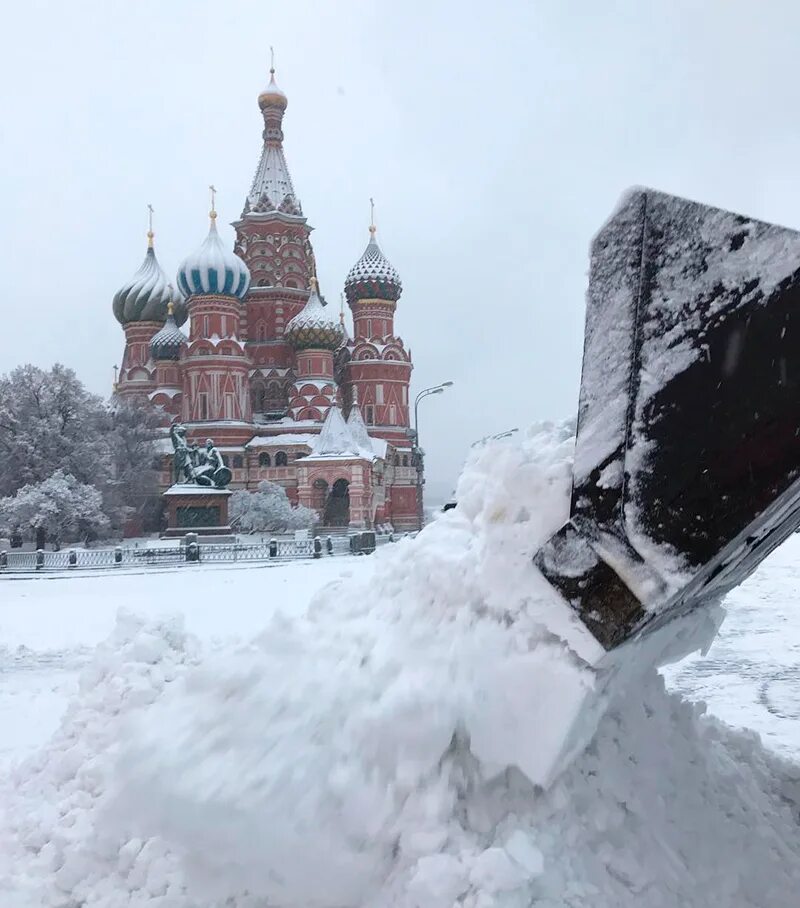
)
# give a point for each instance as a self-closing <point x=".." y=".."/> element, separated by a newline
<point x="213" y="269"/>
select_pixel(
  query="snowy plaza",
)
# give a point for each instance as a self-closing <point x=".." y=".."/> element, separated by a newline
<point x="293" y="618"/>
<point x="363" y="718"/>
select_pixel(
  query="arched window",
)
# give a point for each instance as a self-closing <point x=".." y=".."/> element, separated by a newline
<point x="238" y="461"/>
<point x="280" y="459"/>
<point x="370" y="416"/>
<point x="276" y="397"/>
<point x="397" y="460"/>
<point x="259" y="395"/>
<point x="405" y="460"/>
<point x="264" y="460"/>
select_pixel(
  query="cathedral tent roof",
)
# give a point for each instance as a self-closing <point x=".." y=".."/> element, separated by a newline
<point x="336" y="439"/>
<point x="272" y="188"/>
<point x="358" y="429"/>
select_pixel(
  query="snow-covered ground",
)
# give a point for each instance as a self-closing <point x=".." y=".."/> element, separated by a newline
<point x="49" y="626"/>
<point x="361" y="746"/>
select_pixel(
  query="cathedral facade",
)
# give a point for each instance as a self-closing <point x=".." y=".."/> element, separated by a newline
<point x="268" y="369"/>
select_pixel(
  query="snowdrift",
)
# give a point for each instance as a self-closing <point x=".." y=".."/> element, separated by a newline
<point x="403" y="744"/>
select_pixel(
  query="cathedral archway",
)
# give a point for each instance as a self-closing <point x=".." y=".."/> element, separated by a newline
<point x="337" y="507"/>
<point x="319" y="495"/>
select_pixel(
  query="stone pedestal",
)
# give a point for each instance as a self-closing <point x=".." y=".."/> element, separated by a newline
<point x="196" y="509"/>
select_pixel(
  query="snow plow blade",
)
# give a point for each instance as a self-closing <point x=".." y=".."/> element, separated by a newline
<point x="688" y="443"/>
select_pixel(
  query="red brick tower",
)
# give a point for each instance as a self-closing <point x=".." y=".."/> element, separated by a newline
<point x="215" y="368"/>
<point x="314" y="333"/>
<point x="140" y="306"/>
<point x="379" y="369"/>
<point x="166" y="350"/>
<point x="272" y="237"/>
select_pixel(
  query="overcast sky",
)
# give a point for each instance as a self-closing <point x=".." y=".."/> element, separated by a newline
<point x="495" y="138"/>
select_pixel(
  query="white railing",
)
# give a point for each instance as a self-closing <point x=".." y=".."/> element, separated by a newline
<point x="192" y="550"/>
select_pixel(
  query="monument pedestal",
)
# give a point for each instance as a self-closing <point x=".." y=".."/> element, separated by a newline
<point x="196" y="509"/>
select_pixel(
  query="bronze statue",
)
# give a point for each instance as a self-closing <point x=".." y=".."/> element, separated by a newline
<point x="191" y="465"/>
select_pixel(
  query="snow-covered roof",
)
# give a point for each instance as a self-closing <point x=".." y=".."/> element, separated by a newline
<point x="337" y="441"/>
<point x="213" y="268"/>
<point x="379" y="446"/>
<point x="189" y="488"/>
<point x="272" y="183"/>
<point x="358" y="429"/>
<point x="315" y="326"/>
<point x="373" y="275"/>
<point x="144" y="298"/>
<point x="283" y="439"/>
<point x="166" y="344"/>
<point x="167" y="392"/>
<point x="272" y="95"/>
<point x="335" y="437"/>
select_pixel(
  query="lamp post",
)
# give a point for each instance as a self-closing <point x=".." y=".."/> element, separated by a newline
<point x="426" y="392"/>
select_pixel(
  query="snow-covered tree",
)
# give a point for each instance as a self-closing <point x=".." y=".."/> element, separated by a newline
<point x="63" y="507"/>
<point x="49" y="422"/>
<point x="132" y="486"/>
<point x="268" y="510"/>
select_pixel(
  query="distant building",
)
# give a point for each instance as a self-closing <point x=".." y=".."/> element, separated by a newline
<point x="268" y="369"/>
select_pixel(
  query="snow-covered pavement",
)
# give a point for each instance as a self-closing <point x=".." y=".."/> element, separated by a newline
<point x="751" y="675"/>
<point x="49" y="626"/>
<point x="389" y="733"/>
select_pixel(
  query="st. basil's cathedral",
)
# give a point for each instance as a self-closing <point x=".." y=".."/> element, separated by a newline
<point x="268" y="369"/>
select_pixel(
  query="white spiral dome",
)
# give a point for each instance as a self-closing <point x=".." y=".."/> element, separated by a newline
<point x="213" y="269"/>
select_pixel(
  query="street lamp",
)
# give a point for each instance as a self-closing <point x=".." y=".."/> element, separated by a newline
<point x="426" y="392"/>
<point x="434" y="389"/>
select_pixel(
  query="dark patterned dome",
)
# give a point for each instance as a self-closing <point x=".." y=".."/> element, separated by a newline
<point x="145" y="297"/>
<point x="169" y="341"/>
<point x="373" y="276"/>
<point x="315" y="326"/>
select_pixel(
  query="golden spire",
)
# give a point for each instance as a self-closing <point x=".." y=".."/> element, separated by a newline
<point x="372" y="227"/>
<point x="170" y="307"/>
<point x="271" y="60"/>
<point x="150" y="233"/>
<point x="314" y="283"/>
<point x="213" y="213"/>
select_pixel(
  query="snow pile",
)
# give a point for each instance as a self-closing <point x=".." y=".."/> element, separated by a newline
<point x="385" y="749"/>
<point x="49" y="836"/>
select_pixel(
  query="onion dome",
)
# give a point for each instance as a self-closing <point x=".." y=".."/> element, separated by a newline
<point x="170" y="340"/>
<point x="314" y="327"/>
<point x="373" y="276"/>
<point x="272" y="96"/>
<point x="213" y="269"/>
<point x="145" y="297"/>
